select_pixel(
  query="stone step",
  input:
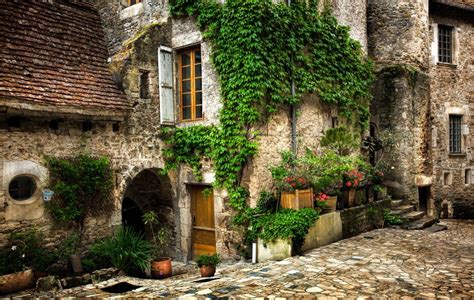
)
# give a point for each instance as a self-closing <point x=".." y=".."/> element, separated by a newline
<point x="406" y="208"/>
<point x="396" y="203"/>
<point x="421" y="223"/>
<point x="414" y="215"/>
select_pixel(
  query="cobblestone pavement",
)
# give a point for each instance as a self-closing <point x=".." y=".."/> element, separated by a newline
<point x="391" y="263"/>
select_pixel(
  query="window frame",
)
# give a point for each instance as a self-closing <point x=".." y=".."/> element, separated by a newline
<point x="129" y="2"/>
<point x="442" y="57"/>
<point x="192" y="50"/>
<point x="35" y="189"/>
<point x="453" y="131"/>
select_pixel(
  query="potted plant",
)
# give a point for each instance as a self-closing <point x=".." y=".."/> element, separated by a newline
<point x="326" y="202"/>
<point x="207" y="264"/>
<point x="351" y="180"/>
<point x="160" y="265"/>
<point x="296" y="193"/>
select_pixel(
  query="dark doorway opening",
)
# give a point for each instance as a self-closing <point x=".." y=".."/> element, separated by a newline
<point x="132" y="216"/>
<point x="424" y="195"/>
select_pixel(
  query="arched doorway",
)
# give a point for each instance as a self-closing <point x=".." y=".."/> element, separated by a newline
<point x="150" y="191"/>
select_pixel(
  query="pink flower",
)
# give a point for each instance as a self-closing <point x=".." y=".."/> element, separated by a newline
<point x="348" y="184"/>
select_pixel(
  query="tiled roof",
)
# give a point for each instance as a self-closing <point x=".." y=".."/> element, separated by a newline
<point x="53" y="57"/>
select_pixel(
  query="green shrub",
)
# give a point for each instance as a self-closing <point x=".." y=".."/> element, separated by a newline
<point x="340" y="140"/>
<point x="208" y="260"/>
<point x="126" y="250"/>
<point x="391" y="218"/>
<point x="267" y="202"/>
<point x="25" y="250"/>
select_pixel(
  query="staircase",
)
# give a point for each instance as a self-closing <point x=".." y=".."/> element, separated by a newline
<point x="412" y="219"/>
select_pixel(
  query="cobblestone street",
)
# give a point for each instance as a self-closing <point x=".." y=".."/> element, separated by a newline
<point x="382" y="263"/>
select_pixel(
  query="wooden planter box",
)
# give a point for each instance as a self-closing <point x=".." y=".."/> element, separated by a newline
<point x="347" y="198"/>
<point x="297" y="199"/>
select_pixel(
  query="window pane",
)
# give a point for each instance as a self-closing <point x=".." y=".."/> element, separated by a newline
<point x="199" y="112"/>
<point x="185" y="59"/>
<point x="186" y="86"/>
<point x="197" y="70"/>
<point x="198" y="84"/>
<point x="198" y="98"/>
<point x="197" y="58"/>
<point x="186" y="113"/>
<point x="186" y="72"/>
<point x="455" y="134"/>
<point x="186" y="99"/>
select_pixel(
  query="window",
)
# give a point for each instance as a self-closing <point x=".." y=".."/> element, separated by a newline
<point x="133" y="2"/>
<point x="22" y="187"/>
<point x="447" y="178"/>
<point x="144" y="85"/>
<point x="467" y="176"/>
<point x="455" y="133"/>
<point x="445" y="44"/>
<point x="190" y="84"/>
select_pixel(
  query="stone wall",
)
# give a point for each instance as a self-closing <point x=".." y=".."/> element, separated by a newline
<point x="356" y="220"/>
<point x="451" y="93"/>
<point x="398" y="32"/>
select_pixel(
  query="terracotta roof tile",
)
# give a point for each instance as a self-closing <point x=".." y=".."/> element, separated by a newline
<point x="54" y="53"/>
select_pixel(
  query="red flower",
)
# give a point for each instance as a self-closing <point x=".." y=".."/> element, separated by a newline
<point x="356" y="182"/>
<point x="348" y="184"/>
<point x="293" y="184"/>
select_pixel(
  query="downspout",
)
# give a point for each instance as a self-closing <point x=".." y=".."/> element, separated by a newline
<point x="293" y="113"/>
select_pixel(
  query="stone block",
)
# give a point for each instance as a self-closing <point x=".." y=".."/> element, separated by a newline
<point x="276" y="250"/>
<point x="326" y="230"/>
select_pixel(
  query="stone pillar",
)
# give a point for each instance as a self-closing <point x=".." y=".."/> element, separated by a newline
<point x="398" y="34"/>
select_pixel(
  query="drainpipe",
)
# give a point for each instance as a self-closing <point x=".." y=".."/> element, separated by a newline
<point x="293" y="113"/>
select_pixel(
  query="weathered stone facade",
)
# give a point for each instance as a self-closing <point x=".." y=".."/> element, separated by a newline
<point x="414" y="95"/>
<point x="411" y="101"/>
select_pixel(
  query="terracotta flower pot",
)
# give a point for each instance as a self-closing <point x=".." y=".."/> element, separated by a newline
<point x="207" y="271"/>
<point x="161" y="268"/>
<point x="15" y="282"/>
<point x="331" y="204"/>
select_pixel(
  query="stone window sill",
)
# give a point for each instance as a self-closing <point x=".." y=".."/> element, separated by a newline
<point x="463" y="154"/>
<point x="447" y="65"/>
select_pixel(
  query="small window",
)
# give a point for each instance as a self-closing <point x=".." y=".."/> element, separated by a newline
<point x="144" y="85"/>
<point x="455" y="133"/>
<point x="133" y="2"/>
<point x="87" y="126"/>
<point x="22" y="188"/>
<point x="334" y="122"/>
<point x="447" y="178"/>
<point x="445" y="44"/>
<point x="467" y="176"/>
<point x="190" y="84"/>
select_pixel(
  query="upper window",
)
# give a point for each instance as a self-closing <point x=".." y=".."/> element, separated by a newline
<point x="190" y="84"/>
<point x="22" y="187"/>
<point x="455" y="133"/>
<point x="445" y="44"/>
<point x="132" y="2"/>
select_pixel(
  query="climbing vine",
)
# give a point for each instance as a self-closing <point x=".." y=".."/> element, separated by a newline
<point x="258" y="49"/>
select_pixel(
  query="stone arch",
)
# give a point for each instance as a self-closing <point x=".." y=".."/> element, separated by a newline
<point x="148" y="191"/>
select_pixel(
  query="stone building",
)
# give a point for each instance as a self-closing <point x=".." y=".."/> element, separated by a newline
<point x="111" y="81"/>
<point x="423" y="99"/>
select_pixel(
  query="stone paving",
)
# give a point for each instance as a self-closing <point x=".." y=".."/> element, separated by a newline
<point x="385" y="263"/>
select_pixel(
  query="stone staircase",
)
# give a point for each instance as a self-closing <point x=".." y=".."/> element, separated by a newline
<point x="412" y="218"/>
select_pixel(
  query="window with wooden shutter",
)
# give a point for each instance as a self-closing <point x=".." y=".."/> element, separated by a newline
<point x="190" y="84"/>
<point x="165" y="78"/>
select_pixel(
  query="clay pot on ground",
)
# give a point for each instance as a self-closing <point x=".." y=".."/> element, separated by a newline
<point x="15" y="282"/>
<point x="161" y="268"/>
<point x="76" y="263"/>
<point x="207" y="271"/>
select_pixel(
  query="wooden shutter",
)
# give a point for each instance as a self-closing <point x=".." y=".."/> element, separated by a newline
<point x="165" y="74"/>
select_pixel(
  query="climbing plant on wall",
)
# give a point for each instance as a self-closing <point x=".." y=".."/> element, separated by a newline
<point x="82" y="186"/>
<point x="258" y="49"/>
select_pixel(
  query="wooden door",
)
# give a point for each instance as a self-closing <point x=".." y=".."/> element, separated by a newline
<point x="203" y="230"/>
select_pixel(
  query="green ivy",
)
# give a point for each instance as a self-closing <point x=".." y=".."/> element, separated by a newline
<point x="81" y="184"/>
<point x="258" y="49"/>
